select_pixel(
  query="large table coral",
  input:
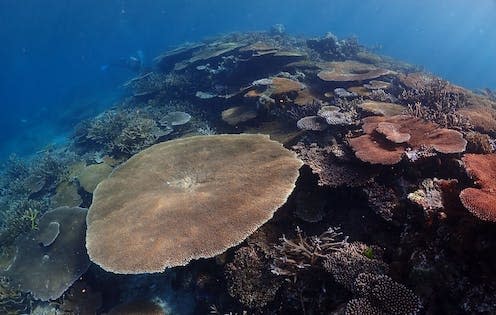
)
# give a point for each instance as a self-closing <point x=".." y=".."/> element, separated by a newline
<point x="386" y="139"/>
<point x="187" y="199"/>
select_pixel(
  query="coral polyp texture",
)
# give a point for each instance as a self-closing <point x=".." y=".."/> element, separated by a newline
<point x="481" y="201"/>
<point x="386" y="295"/>
<point x="187" y="199"/>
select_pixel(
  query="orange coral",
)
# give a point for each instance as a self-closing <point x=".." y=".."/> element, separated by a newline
<point x="481" y="201"/>
<point x="376" y="151"/>
<point x="387" y="138"/>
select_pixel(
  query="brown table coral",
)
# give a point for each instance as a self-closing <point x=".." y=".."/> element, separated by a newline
<point x="349" y="71"/>
<point x="481" y="202"/>
<point x="187" y="199"/>
<point x="387" y="138"/>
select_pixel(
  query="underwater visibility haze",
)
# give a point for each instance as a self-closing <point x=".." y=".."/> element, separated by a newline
<point x="248" y="157"/>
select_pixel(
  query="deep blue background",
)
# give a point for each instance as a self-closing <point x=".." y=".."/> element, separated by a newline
<point x="52" y="50"/>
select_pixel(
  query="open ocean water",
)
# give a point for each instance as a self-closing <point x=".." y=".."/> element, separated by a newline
<point x="375" y="195"/>
<point x="52" y="53"/>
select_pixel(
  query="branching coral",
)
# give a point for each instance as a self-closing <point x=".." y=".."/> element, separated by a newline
<point x="434" y="99"/>
<point x="302" y="252"/>
<point x="19" y="216"/>
<point x="120" y="132"/>
<point x="330" y="47"/>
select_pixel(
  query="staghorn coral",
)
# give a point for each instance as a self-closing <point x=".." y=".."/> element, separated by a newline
<point x="387" y="295"/>
<point x="120" y="132"/>
<point x="17" y="217"/>
<point x="329" y="47"/>
<point x="303" y="252"/>
<point x="139" y="134"/>
<point x="249" y="278"/>
<point x="480" y="117"/>
<point x="353" y="259"/>
<point x="481" y="201"/>
<point x="202" y="186"/>
<point x="433" y="99"/>
<point x="478" y="143"/>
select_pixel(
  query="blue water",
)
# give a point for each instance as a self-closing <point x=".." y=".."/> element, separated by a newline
<point x="53" y="51"/>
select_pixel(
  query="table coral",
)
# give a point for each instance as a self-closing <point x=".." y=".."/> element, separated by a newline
<point x="187" y="199"/>
<point x="481" y="201"/>
<point x="387" y="138"/>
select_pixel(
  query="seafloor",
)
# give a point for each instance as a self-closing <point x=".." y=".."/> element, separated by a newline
<point x="393" y="210"/>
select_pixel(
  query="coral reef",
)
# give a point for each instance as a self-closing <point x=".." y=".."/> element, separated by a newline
<point x="330" y="102"/>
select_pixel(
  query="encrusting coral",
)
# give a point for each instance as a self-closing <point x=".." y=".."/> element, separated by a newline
<point x="386" y="295"/>
<point x="47" y="270"/>
<point x="187" y="199"/>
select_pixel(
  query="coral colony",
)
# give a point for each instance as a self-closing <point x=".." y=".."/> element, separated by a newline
<point x="260" y="173"/>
